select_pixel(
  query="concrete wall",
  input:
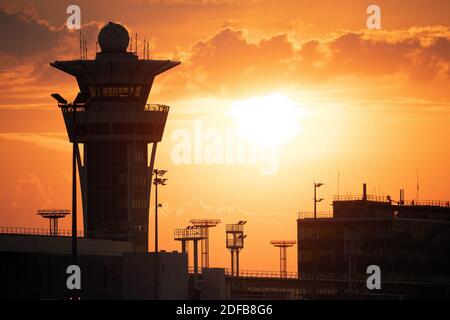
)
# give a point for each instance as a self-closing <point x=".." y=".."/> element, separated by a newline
<point x="214" y="287"/>
<point x="138" y="276"/>
<point x="34" y="267"/>
<point x="60" y="245"/>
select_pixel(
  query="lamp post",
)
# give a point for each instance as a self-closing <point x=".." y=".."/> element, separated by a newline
<point x="158" y="180"/>
<point x="316" y="185"/>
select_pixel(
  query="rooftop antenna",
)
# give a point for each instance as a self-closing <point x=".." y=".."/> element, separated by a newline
<point x="283" y="245"/>
<point x="148" y="50"/>
<point x="85" y="48"/>
<point x="136" y="46"/>
<point x="131" y="44"/>
<point x="417" y="184"/>
<point x="206" y="224"/>
<point x="339" y="178"/>
<point x="53" y="215"/>
<point x="145" y="46"/>
<point x="81" y="45"/>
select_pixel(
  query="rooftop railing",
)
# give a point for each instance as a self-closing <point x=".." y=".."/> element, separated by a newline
<point x="38" y="232"/>
<point x="257" y="274"/>
<point x="429" y="203"/>
<point x="360" y="197"/>
<point x="335" y="277"/>
<point x="264" y="274"/>
<point x="234" y="228"/>
<point x="190" y="233"/>
<point x="310" y="215"/>
<point x="157" y="107"/>
<point x="82" y="107"/>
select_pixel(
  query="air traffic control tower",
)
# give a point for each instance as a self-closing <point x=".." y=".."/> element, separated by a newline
<point x="110" y="117"/>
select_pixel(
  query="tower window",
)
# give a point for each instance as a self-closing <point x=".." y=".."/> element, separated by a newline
<point x="138" y="91"/>
<point x="115" y="91"/>
<point x="92" y="92"/>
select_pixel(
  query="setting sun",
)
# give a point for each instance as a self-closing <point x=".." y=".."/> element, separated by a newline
<point x="266" y="121"/>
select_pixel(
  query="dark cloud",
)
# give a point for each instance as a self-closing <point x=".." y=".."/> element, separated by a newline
<point x="28" y="45"/>
<point x="432" y="61"/>
<point x="23" y="35"/>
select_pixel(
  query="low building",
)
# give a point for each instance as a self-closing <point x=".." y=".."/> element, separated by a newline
<point x="409" y="241"/>
<point x="34" y="267"/>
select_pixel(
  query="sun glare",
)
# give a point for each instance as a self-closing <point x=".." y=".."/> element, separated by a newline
<point x="266" y="121"/>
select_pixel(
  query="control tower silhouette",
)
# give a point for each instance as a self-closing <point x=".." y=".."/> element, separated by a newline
<point x="110" y="117"/>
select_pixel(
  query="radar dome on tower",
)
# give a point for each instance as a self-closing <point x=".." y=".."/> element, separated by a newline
<point x="113" y="38"/>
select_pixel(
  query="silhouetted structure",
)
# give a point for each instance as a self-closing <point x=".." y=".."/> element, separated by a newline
<point x="235" y="243"/>
<point x="34" y="267"/>
<point x="283" y="245"/>
<point x="158" y="180"/>
<point x="206" y="224"/>
<point x="53" y="215"/>
<point x="408" y="240"/>
<point x="194" y="234"/>
<point x="111" y="118"/>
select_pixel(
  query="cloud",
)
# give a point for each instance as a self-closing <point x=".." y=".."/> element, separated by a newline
<point x="28" y="45"/>
<point x="31" y="185"/>
<point x="228" y="64"/>
<point x="31" y="192"/>
<point x="26" y="37"/>
<point x="53" y="141"/>
<point x="393" y="52"/>
<point x="197" y="209"/>
<point x="22" y="34"/>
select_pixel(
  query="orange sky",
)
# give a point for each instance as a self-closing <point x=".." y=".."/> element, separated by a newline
<point x="373" y="104"/>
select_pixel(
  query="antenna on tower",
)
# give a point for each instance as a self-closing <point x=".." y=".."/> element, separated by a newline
<point x="148" y="50"/>
<point x="85" y="49"/>
<point x="136" y="46"/>
<point x="145" y="46"/>
<point x="131" y="44"/>
<point x="81" y="45"/>
<point x="417" y="184"/>
<point x="339" y="180"/>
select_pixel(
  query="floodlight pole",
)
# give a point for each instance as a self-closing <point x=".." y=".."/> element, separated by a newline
<point x="156" y="181"/>
<point x="74" y="187"/>
<point x="156" y="215"/>
<point x="316" y="185"/>
<point x="315" y="200"/>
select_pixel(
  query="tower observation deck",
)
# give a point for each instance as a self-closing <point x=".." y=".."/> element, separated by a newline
<point x="111" y="118"/>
